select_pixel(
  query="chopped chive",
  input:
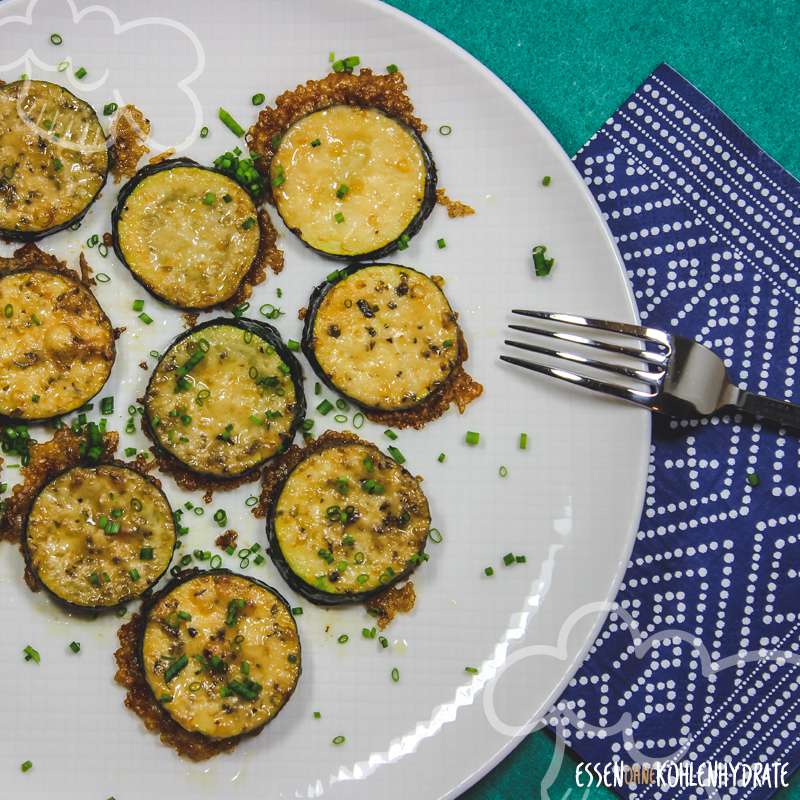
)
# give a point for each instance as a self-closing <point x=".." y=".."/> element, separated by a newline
<point x="395" y="675"/>
<point x="325" y="407"/>
<point x="435" y="535"/>
<point x="63" y="65"/>
<point x="102" y="277"/>
<point x="471" y="670"/>
<point x="523" y="441"/>
<point x="390" y="434"/>
<point x="384" y="642"/>
<point x="316" y="143"/>
<point x="753" y="479"/>
<point x="541" y="264"/>
<point x="230" y="123"/>
<point x="546" y="180"/>
<point x="503" y="472"/>
<point x="134" y="574"/>
<point x="8" y="311"/>
<point x="441" y="458"/>
<point x="137" y="305"/>
<point x="472" y="438"/>
<point x="391" y="69"/>
<point x="56" y="39"/>
<point x="109" y="109"/>
<point x="339" y="217"/>
<point x="221" y="517"/>
<point x="396" y="454"/>
<point x="293" y="344"/>
<point x="204" y="132"/>
<point x="31" y="654"/>
<point x="57" y="165"/>
<point x="175" y="667"/>
<point x="146" y="318"/>
<point x="317" y="715"/>
<point x="508" y="559"/>
<point x="342" y="190"/>
<point x="215" y="562"/>
<point x="249" y="223"/>
<point x="280" y="176"/>
<point x="445" y="130"/>
<point x="520" y="559"/>
<point x="297" y="611"/>
<point x="489" y="571"/>
<point x="257" y="99"/>
<point x="80" y="73"/>
<point x="402" y="242"/>
<point x="146" y="554"/>
<point x="26" y="765"/>
<point x="338" y="740"/>
<point x="441" y="244"/>
<point x="209" y="198"/>
<point x="343" y="639"/>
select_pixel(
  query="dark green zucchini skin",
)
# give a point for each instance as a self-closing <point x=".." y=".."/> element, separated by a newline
<point x="34" y="236"/>
<point x="88" y="611"/>
<point x="312" y="593"/>
<point x="126" y="191"/>
<point x="184" y="576"/>
<point x="5" y="419"/>
<point x="413" y="227"/>
<point x="307" y="341"/>
<point x="272" y="336"/>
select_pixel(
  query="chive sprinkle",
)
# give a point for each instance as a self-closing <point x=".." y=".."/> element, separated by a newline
<point x="293" y="344"/>
<point x="325" y="407"/>
<point x="316" y="143"/>
<point x="546" y="180"/>
<point x="541" y="264"/>
<point x="146" y="554"/>
<point x="146" y="318"/>
<point x="753" y="479"/>
<point x="471" y="670"/>
<point x="175" y="667"/>
<point x="472" y="438"/>
<point x="508" y="559"/>
<point x="209" y="198"/>
<point x="110" y="108"/>
<point x="338" y="740"/>
<point x="230" y="123"/>
<point x="56" y="39"/>
<point x="257" y="99"/>
<point x="523" y="441"/>
<point x="384" y="642"/>
<point x="396" y="454"/>
<point x="342" y="190"/>
<point x="445" y="130"/>
<point x="441" y="458"/>
<point x="204" y="132"/>
<point x="80" y="73"/>
<point x="221" y="517"/>
<point x="343" y="639"/>
<point x="435" y="535"/>
<point x="317" y="715"/>
<point x="339" y="217"/>
<point x="31" y="654"/>
<point x="441" y="244"/>
<point x="138" y="305"/>
<point x="26" y="765"/>
<point x="395" y="675"/>
<point x="488" y="571"/>
<point x="503" y="472"/>
<point x="390" y="434"/>
<point x="392" y="68"/>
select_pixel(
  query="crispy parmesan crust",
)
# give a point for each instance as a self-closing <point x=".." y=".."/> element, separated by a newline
<point x="29" y="256"/>
<point x="385" y="92"/>
<point x="86" y="271"/>
<point x="398" y="599"/>
<point x="140" y="700"/>
<point x="454" y="207"/>
<point x="459" y="388"/>
<point x="47" y="459"/>
<point x="269" y="256"/>
<point x="129" y="131"/>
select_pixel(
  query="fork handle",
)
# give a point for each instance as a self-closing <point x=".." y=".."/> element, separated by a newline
<point x="779" y="411"/>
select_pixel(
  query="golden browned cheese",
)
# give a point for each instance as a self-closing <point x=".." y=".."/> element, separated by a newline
<point x="348" y="180"/>
<point x="221" y="653"/>
<point x="74" y="547"/>
<point x="236" y="409"/>
<point x="386" y="336"/>
<point x="348" y="519"/>
<point x="53" y="156"/>
<point x="56" y="344"/>
<point x="129" y="132"/>
<point x="184" y="240"/>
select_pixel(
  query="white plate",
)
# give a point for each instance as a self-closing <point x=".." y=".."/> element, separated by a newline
<point x="570" y="502"/>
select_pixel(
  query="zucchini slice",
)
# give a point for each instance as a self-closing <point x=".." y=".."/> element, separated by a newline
<point x="220" y="652"/>
<point x="56" y="344"/>
<point x="382" y="335"/>
<point x="99" y="536"/>
<point x="352" y="182"/>
<point x="189" y="234"/>
<point x="226" y="397"/>
<point x="53" y="159"/>
<point x="347" y="523"/>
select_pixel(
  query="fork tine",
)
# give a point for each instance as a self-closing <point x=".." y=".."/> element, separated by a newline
<point x="637" y="374"/>
<point x="633" y="395"/>
<point x="644" y="355"/>
<point x="624" y="328"/>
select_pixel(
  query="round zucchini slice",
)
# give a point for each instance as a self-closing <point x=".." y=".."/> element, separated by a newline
<point x="99" y="536"/>
<point x="53" y="159"/>
<point x="226" y="397"/>
<point x="221" y="653"/>
<point x="382" y="335"/>
<point x="353" y="182"/>
<point x="189" y="234"/>
<point x="56" y="344"/>
<point x="347" y="523"/>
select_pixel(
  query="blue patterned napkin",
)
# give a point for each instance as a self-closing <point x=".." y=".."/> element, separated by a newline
<point x="700" y="660"/>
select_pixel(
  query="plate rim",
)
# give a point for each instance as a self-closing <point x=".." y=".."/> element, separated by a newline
<point x="572" y="667"/>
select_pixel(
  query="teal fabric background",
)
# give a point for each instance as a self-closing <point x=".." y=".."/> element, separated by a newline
<point x="573" y="63"/>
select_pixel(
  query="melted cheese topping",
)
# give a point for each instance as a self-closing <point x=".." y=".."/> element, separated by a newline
<point x="184" y="241"/>
<point x="237" y="406"/>
<point x="241" y="665"/>
<point x="74" y="552"/>
<point x="386" y="337"/>
<point x="342" y="535"/>
<point x="375" y="157"/>
<point x="56" y="344"/>
<point x="53" y="157"/>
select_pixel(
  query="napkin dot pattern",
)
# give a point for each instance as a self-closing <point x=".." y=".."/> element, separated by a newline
<point x="700" y="659"/>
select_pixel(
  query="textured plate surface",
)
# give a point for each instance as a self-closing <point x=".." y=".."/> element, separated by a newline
<point x="570" y="502"/>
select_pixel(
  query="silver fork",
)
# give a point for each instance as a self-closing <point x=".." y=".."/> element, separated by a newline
<point x="661" y="371"/>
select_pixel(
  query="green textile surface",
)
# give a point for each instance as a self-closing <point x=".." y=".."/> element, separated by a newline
<point x="574" y="63"/>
